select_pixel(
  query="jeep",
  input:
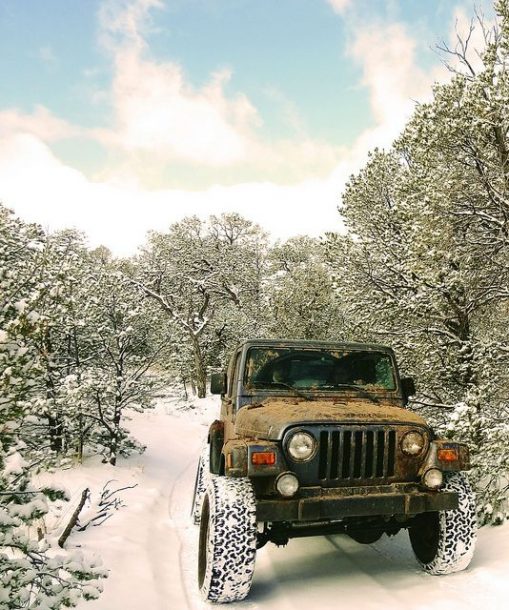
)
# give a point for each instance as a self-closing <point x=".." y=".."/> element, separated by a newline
<point x="315" y="438"/>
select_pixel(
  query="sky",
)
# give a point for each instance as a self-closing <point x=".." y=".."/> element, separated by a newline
<point x="123" y="116"/>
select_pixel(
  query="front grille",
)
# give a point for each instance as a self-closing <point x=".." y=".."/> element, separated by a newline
<point x="357" y="453"/>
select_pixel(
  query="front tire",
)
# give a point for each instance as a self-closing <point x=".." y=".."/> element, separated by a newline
<point x="444" y="542"/>
<point x="228" y="534"/>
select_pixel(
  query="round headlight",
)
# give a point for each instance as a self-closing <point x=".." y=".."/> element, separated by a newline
<point x="412" y="443"/>
<point x="433" y="478"/>
<point x="301" y="446"/>
<point x="287" y="484"/>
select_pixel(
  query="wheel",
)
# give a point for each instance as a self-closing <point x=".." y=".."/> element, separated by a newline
<point x="444" y="542"/>
<point x="200" y="484"/>
<point x="227" y="547"/>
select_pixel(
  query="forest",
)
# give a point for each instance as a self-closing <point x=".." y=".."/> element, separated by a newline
<point x="422" y="266"/>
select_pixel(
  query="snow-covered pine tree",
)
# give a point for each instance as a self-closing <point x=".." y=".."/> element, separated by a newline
<point x="32" y="575"/>
<point x="62" y="341"/>
<point x="206" y="278"/>
<point x="300" y="299"/>
<point x="427" y="258"/>
<point x="118" y="375"/>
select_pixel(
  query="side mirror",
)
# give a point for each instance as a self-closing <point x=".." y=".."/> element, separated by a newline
<point x="408" y="388"/>
<point x="218" y="383"/>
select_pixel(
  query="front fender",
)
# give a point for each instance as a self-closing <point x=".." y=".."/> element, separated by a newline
<point x="433" y="457"/>
<point x="238" y="459"/>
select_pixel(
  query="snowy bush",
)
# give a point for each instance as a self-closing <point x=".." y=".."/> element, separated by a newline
<point x="33" y="574"/>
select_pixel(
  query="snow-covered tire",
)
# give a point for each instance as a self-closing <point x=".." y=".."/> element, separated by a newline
<point x="444" y="542"/>
<point x="200" y="484"/>
<point x="227" y="549"/>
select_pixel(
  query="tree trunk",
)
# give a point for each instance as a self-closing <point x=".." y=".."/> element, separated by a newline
<point x="81" y="438"/>
<point x="55" y="433"/>
<point x="74" y="518"/>
<point x="55" y="426"/>
<point x="200" y="369"/>
<point x="115" y="437"/>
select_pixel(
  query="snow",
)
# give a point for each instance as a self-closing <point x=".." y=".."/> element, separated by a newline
<point x="20" y="305"/>
<point x="150" y="545"/>
<point x="14" y="464"/>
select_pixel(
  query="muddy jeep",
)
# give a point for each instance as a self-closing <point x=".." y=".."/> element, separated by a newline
<point x="314" y="439"/>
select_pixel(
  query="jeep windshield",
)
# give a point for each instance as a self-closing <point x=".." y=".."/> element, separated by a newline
<point x="318" y="369"/>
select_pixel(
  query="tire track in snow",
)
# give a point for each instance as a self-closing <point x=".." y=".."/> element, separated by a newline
<point x="175" y="519"/>
<point x="160" y="533"/>
<point x="269" y="591"/>
<point x="169" y="456"/>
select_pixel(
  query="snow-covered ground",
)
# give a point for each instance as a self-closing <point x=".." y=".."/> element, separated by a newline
<point x="150" y="545"/>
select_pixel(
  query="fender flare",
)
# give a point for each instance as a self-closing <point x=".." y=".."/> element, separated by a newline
<point x="216" y="442"/>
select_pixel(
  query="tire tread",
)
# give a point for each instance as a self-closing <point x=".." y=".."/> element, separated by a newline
<point x="231" y="545"/>
<point x="457" y="530"/>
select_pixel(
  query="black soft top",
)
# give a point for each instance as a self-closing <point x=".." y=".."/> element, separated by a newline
<point x="318" y="344"/>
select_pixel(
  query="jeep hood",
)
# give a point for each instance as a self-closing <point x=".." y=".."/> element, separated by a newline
<point x="269" y="420"/>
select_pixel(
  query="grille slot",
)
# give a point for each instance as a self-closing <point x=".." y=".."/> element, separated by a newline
<point x="353" y="454"/>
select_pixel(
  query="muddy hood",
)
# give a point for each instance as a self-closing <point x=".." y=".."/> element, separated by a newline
<point x="269" y="419"/>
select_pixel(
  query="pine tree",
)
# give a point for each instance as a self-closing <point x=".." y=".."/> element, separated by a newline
<point x="118" y="377"/>
<point x="300" y="299"/>
<point x="30" y="575"/>
<point x="427" y="258"/>
<point x="206" y="278"/>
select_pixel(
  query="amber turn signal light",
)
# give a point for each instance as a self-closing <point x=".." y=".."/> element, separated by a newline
<point x="448" y="455"/>
<point x="267" y="458"/>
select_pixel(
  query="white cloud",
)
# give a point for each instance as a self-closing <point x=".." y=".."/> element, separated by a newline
<point x="123" y="22"/>
<point x="339" y="6"/>
<point x="157" y="110"/>
<point x="160" y="117"/>
<point x="42" y="189"/>
<point x="41" y="123"/>
<point x="159" y="120"/>
<point x="154" y="107"/>
<point x="389" y="71"/>
<point x="387" y="54"/>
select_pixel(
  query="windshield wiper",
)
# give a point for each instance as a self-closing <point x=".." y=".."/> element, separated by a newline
<point x="281" y="384"/>
<point x="354" y="387"/>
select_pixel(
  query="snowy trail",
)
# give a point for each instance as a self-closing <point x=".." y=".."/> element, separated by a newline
<point x="151" y="546"/>
<point x="142" y="543"/>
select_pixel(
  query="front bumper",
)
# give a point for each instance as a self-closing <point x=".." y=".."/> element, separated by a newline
<point x="313" y="504"/>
